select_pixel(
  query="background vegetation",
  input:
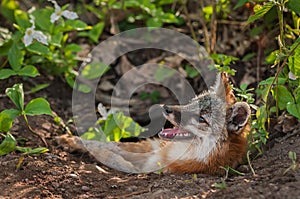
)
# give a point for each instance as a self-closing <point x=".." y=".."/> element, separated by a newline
<point x="47" y="40"/>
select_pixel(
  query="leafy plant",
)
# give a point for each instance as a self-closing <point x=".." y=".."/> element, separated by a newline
<point x="113" y="126"/>
<point x="9" y="144"/>
<point x="280" y="92"/>
<point x="191" y="71"/>
<point x="222" y="63"/>
<point x="243" y="93"/>
<point x="52" y="52"/>
<point x="295" y="164"/>
<point x="221" y="185"/>
<point x="35" y="107"/>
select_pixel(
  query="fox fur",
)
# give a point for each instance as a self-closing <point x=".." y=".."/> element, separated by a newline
<point x="209" y="133"/>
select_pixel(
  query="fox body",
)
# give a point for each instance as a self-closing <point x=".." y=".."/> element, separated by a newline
<point x="208" y="134"/>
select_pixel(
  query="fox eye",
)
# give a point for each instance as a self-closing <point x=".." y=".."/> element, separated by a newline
<point x="202" y="120"/>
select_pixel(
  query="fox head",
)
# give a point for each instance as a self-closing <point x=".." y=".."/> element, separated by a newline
<point x="213" y="113"/>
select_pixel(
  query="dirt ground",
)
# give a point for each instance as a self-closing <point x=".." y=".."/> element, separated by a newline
<point x="59" y="174"/>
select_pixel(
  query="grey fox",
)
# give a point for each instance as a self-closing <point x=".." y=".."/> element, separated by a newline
<point x="209" y="132"/>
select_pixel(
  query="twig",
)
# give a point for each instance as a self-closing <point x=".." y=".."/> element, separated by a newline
<point x="214" y="28"/>
<point x="234" y="23"/>
<point x="189" y="21"/>
<point x="249" y="163"/>
<point x="204" y="28"/>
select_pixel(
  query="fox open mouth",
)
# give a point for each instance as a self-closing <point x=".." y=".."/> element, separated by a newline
<point x="175" y="133"/>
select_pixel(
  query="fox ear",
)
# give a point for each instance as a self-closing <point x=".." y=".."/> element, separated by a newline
<point x="223" y="89"/>
<point x="238" y="117"/>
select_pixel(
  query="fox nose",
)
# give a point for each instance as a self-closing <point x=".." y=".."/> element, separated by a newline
<point x="167" y="109"/>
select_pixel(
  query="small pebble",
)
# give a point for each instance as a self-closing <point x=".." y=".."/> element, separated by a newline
<point x="85" y="188"/>
<point x="73" y="175"/>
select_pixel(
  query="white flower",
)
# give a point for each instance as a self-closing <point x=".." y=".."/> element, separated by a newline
<point x="292" y="76"/>
<point x="103" y="112"/>
<point x="31" y="34"/>
<point x="58" y="13"/>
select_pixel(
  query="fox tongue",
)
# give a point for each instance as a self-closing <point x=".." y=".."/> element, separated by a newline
<point x="170" y="133"/>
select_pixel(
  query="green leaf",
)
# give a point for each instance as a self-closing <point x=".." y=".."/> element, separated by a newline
<point x="15" y="57"/>
<point x="29" y="71"/>
<point x="39" y="87"/>
<point x="94" y="134"/>
<point x="57" y="39"/>
<point x="283" y="96"/>
<point x="260" y="11"/>
<point x="22" y="19"/>
<point x="119" y="126"/>
<point x="13" y="113"/>
<point x="163" y="73"/>
<point x="7" y="9"/>
<point x="5" y="122"/>
<point x="72" y="48"/>
<point x="154" y="22"/>
<point x="293" y="5"/>
<point x="6" y="73"/>
<point x="5" y="46"/>
<point x="31" y="151"/>
<point x="6" y="119"/>
<point x="294" y="60"/>
<point x="191" y="71"/>
<point x="240" y="4"/>
<point x="294" y="109"/>
<point x="16" y="95"/>
<point x="38" y="106"/>
<point x="8" y="145"/>
<point x="94" y="70"/>
<point x="84" y="88"/>
<point x="281" y="81"/>
<point x="38" y="48"/>
<point x="75" y="25"/>
<point x="96" y="31"/>
<point x="42" y="17"/>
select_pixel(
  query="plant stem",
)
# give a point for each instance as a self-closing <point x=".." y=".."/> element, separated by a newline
<point x="32" y="131"/>
<point x="249" y="162"/>
<point x="281" y="26"/>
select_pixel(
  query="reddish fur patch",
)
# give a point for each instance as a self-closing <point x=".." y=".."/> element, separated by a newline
<point x="229" y="153"/>
<point x="230" y="98"/>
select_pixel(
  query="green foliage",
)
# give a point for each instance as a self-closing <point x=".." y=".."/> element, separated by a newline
<point x="284" y="85"/>
<point x="9" y="144"/>
<point x="222" y="9"/>
<point x="36" y="106"/>
<point x="260" y="11"/>
<point x="222" y="63"/>
<point x="191" y="71"/>
<point x="152" y="12"/>
<point x="91" y="71"/>
<point x="153" y="96"/>
<point x="221" y="185"/>
<point x="243" y="94"/>
<point x="113" y="127"/>
<point x="51" y="50"/>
